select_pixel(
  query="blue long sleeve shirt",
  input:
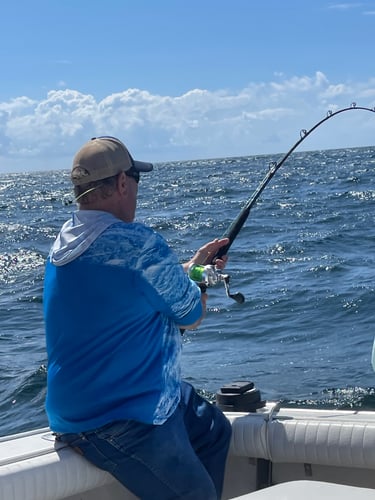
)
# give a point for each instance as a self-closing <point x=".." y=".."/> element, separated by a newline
<point x="114" y="295"/>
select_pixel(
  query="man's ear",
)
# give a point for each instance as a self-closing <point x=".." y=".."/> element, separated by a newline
<point x="122" y="183"/>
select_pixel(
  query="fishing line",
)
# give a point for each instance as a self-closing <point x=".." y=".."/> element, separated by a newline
<point x="235" y="227"/>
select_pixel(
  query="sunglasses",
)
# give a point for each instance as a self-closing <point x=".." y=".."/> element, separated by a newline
<point x="132" y="172"/>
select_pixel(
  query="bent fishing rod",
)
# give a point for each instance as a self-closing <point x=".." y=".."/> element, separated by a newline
<point x="208" y="274"/>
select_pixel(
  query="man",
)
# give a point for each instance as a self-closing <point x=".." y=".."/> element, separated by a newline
<point x="115" y="298"/>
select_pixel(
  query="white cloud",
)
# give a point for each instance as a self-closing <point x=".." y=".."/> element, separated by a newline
<point x="350" y="6"/>
<point x="260" y="118"/>
<point x="345" y="6"/>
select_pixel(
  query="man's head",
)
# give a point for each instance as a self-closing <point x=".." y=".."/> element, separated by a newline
<point x="104" y="157"/>
<point x="105" y="177"/>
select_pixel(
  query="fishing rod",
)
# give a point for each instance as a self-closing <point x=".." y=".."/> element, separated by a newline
<point x="209" y="274"/>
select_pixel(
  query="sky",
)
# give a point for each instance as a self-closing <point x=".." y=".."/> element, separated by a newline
<point x="182" y="80"/>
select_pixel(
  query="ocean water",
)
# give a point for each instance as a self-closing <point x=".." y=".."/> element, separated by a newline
<point x="304" y="260"/>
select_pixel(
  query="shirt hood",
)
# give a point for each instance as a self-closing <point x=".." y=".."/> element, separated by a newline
<point x="78" y="233"/>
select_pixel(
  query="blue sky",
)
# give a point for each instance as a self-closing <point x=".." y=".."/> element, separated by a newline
<point x="182" y="79"/>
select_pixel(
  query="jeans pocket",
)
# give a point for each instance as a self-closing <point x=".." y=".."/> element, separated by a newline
<point x="125" y="435"/>
<point x="110" y="430"/>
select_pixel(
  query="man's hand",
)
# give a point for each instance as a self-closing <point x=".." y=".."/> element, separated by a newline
<point x="207" y="252"/>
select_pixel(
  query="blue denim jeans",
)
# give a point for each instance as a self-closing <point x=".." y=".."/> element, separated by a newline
<point x="184" y="458"/>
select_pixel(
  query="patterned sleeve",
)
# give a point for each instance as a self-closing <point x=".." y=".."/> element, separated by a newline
<point x="164" y="282"/>
<point x="161" y="277"/>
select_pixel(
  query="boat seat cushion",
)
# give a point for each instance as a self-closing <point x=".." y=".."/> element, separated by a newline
<point x="310" y="490"/>
<point x="324" y="439"/>
<point x="341" y="444"/>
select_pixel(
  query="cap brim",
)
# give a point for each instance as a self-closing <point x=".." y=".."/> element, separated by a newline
<point x="142" y="166"/>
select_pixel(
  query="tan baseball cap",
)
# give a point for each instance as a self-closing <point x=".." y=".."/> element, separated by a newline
<point x="103" y="157"/>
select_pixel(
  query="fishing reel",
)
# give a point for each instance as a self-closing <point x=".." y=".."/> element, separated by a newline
<point x="210" y="275"/>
